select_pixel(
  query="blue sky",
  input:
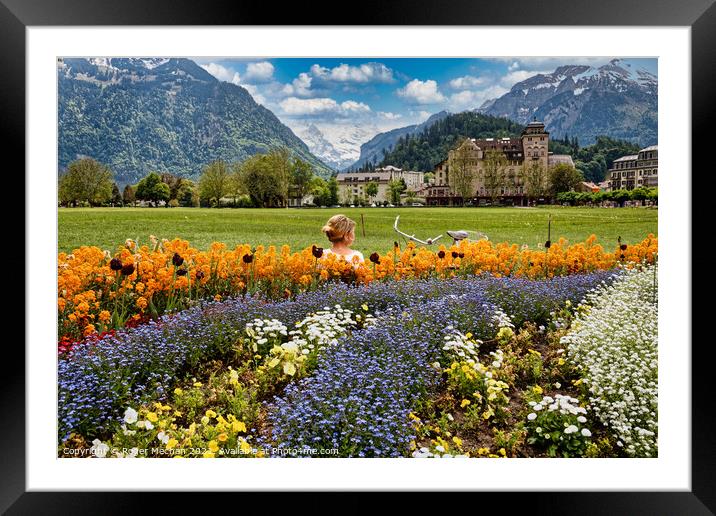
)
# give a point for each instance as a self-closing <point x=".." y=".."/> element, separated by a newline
<point x="379" y="94"/>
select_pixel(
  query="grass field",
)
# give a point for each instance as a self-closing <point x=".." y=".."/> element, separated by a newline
<point x="299" y="228"/>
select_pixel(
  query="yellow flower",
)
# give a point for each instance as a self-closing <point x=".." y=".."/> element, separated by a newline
<point x="245" y="447"/>
<point x="364" y="307"/>
<point x="222" y="437"/>
<point x="177" y="413"/>
<point x="502" y="452"/>
<point x="537" y="389"/>
<point x="213" y="446"/>
<point x="577" y="382"/>
<point x="457" y="441"/>
<point x="197" y="384"/>
<point x="210" y="413"/>
<point x="208" y="455"/>
<point x="238" y="426"/>
<point x="464" y="403"/>
<point x="178" y="391"/>
<point x="205" y="420"/>
<point x="151" y="416"/>
<point x="560" y="361"/>
<point x="171" y="443"/>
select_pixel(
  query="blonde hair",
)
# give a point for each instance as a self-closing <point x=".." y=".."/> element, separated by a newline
<point x="338" y="227"/>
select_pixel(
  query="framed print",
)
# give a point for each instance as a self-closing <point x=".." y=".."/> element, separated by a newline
<point x="420" y="235"/>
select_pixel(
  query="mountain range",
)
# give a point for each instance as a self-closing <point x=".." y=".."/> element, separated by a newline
<point x="167" y="115"/>
<point x="613" y="100"/>
<point x="580" y="101"/>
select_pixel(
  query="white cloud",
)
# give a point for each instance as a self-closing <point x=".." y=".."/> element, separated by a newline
<point x="421" y="92"/>
<point x="222" y="73"/>
<point x="516" y="76"/>
<point x="352" y="105"/>
<point x="514" y="66"/>
<point x="472" y="99"/>
<point x="467" y="82"/>
<point x="300" y="86"/>
<point x="389" y="116"/>
<point x="259" y="72"/>
<point x="364" y="73"/>
<point x="294" y="106"/>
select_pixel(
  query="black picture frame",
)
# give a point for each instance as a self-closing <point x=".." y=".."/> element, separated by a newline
<point x="17" y="15"/>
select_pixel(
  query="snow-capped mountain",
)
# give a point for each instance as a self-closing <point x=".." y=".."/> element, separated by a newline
<point x="337" y="145"/>
<point x="616" y="99"/>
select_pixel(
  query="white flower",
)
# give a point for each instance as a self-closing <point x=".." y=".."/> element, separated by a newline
<point x="582" y="419"/>
<point x="586" y="432"/>
<point x="440" y="449"/>
<point x="538" y="406"/>
<point x="532" y="416"/>
<point x="130" y="416"/>
<point x="163" y="437"/>
<point x="570" y="429"/>
<point x="99" y="449"/>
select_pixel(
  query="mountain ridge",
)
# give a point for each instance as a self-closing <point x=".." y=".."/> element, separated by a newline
<point x="170" y="115"/>
<point x="612" y="100"/>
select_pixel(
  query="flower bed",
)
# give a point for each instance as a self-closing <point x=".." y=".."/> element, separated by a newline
<point x="99" y="291"/>
<point x="614" y="342"/>
<point x="99" y="380"/>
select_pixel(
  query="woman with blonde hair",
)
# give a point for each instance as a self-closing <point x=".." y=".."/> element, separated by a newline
<point x="340" y="230"/>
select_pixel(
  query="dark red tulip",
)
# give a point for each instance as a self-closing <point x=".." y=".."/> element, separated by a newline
<point x="375" y="258"/>
<point x="115" y="264"/>
<point x="548" y="244"/>
<point x="248" y="258"/>
<point x="177" y="260"/>
<point x="128" y="269"/>
<point x="441" y="254"/>
<point x="454" y="254"/>
<point x="317" y="251"/>
<point x="199" y="274"/>
<point x="182" y="272"/>
<point x="623" y="247"/>
<point x="461" y="255"/>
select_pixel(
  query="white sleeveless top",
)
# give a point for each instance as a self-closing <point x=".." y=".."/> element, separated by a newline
<point x="347" y="257"/>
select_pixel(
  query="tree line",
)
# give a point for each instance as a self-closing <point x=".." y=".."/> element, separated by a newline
<point x="641" y="194"/>
<point x="263" y="180"/>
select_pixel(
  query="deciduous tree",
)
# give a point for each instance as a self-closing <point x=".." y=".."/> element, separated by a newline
<point x="86" y="180"/>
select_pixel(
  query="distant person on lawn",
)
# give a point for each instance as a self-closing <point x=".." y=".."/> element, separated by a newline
<point x="340" y="231"/>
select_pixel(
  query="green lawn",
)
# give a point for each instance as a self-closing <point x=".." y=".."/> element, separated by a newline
<point x="299" y="228"/>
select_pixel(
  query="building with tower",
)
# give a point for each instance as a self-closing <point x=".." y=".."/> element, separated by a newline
<point x="507" y="180"/>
